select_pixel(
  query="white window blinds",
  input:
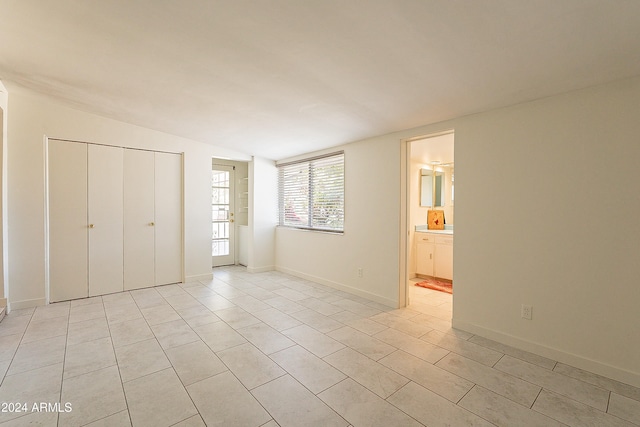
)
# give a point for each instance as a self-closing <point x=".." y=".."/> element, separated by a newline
<point x="311" y="193"/>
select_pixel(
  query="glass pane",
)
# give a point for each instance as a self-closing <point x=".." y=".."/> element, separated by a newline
<point x="220" y="247"/>
<point x="220" y="178"/>
<point x="220" y="196"/>
<point x="220" y="213"/>
<point x="220" y="230"/>
<point x="328" y="195"/>
<point x="295" y="200"/>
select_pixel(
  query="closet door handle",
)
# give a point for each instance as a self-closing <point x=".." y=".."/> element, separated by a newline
<point x="91" y="226"/>
<point x="152" y="224"/>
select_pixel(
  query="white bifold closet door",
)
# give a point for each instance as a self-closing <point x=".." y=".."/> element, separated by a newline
<point x="105" y="219"/>
<point x="152" y="218"/>
<point x="115" y="219"/>
<point x="139" y="219"/>
<point x="168" y="208"/>
<point x="68" y="228"/>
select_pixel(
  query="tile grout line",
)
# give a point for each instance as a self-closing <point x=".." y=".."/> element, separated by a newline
<point x="470" y="411"/>
<point x="17" y="348"/>
<point x="231" y="372"/>
<point x="64" y="361"/>
<point x="221" y="360"/>
<point x="398" y="408"/>
<point x="337" y="369"/>
<point x="549" y="416"/>
<point x="115" y="355"/>
<point x="536" y="399"/>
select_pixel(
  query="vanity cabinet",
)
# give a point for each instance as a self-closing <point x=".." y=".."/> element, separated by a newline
<point x="443" y="257"/>
<point x="425" y="249"/>
<point x="434" y="255"/>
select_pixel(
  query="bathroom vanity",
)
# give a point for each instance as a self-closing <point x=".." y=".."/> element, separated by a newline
<point x="434" y="252"/>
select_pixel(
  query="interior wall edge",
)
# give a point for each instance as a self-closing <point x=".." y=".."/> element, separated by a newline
<point x="594" y="366"/>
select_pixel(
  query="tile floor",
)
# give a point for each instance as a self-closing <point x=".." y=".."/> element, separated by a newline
<point x="272" y="350"/>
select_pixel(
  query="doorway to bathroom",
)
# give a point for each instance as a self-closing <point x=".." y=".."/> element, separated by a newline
<point x="430" y="201"/>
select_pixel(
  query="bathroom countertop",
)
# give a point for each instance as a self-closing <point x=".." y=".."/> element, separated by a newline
<point x="424" y="229"/>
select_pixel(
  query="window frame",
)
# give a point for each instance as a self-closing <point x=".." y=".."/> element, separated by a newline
<point x="313" y="164"/>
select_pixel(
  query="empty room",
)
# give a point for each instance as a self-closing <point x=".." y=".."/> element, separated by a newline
<point x="246" y="213"/>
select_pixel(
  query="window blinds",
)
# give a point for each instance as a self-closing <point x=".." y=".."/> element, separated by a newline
<point x="311" y="193"/>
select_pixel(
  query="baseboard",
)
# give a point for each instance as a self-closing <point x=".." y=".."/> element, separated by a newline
<point x="260" y="269"/>
<point x="341" y="287"/>
<point x="590" y="365"/>
<point x="27" y="303"/>
<point x="198" y="277"/>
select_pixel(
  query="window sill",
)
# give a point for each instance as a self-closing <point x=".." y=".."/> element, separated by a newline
<point x="314" y="230"/>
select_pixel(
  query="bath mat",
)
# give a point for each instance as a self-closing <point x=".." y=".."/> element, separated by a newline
<point x="437" y="285"/>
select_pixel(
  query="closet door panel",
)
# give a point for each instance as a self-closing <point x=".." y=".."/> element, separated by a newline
<point x="139" y="240"/>
<point x="67" y="168"/>
<point x="168" y="207"/>
<point x="105" y="219"/>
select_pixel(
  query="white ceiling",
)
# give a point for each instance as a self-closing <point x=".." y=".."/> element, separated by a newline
<point x="284" y="77"/>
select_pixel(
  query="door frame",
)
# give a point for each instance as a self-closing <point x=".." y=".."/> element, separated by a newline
<point x="405" y="211"/>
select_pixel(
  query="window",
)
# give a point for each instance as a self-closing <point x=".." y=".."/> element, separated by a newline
<point x="311" y="193"/>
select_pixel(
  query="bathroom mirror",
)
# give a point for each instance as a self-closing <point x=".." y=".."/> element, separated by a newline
<point x="431" y="188"/>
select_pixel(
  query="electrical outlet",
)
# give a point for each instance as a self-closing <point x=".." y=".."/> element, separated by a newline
<point x="526" y="311"/>
<point x="359" y="272"/>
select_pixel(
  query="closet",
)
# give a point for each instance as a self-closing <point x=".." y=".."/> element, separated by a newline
<point x="114" y="219"/>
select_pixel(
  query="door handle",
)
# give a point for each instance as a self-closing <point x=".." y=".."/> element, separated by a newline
<point x="230" y="220"/>
<point x="152" y="224"/>
<point x="91" y="226"/>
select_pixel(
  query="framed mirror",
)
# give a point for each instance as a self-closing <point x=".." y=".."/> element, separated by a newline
<point x="431" y="188"/>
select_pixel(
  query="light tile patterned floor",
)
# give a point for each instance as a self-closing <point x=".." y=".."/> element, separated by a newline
<point x="269" y="349"/>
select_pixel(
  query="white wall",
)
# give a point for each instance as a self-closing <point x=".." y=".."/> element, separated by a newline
<point x="263" y="214"/>
<point x="547" y="207"/>
<point x="371" y="228"/>
<point x="547" y="212"/>
<point x="30" y="118"/>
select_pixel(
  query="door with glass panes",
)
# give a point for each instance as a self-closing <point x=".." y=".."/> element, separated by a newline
<point x="222" y="243"/>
